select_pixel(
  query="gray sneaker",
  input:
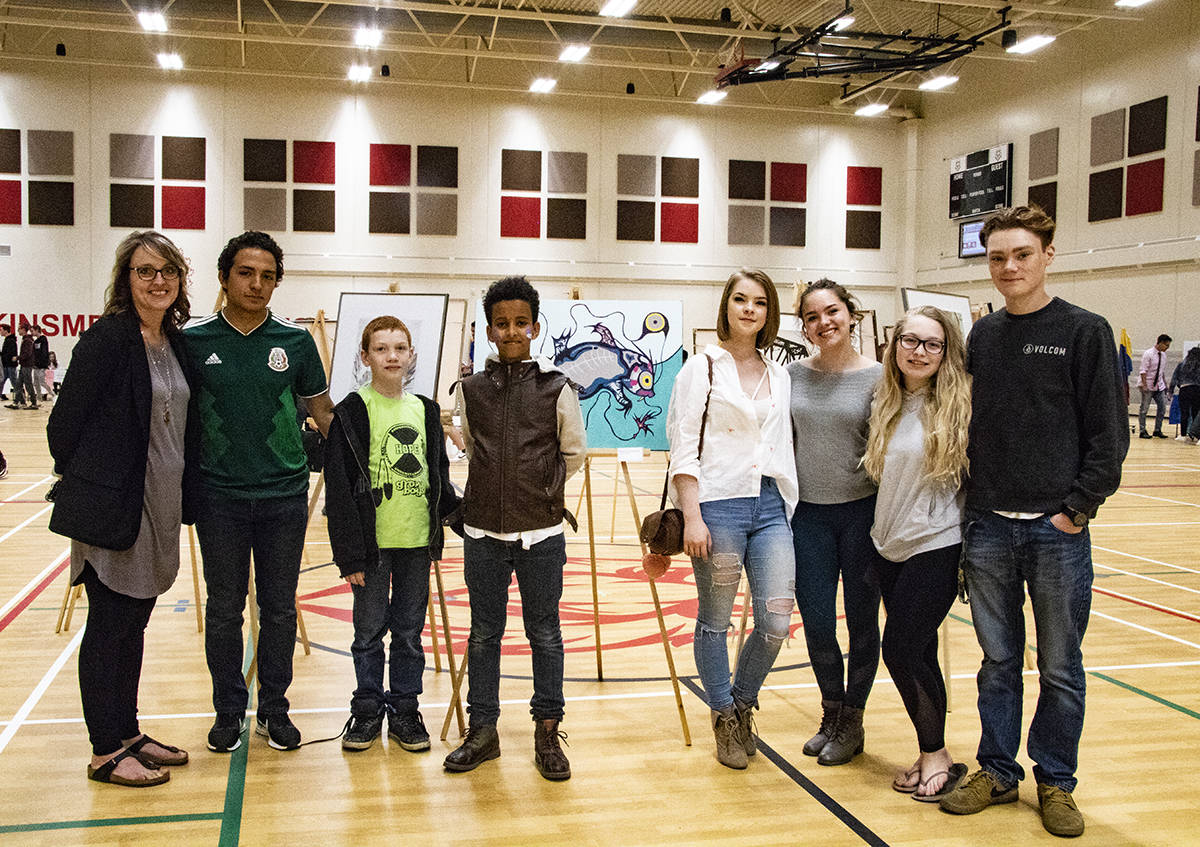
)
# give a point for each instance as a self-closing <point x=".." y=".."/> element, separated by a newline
<point x="1060" y="815"/>
<point x="975" y="793"/>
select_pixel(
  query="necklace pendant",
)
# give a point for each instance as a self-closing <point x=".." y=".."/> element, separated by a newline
<point x="166" y="416"/>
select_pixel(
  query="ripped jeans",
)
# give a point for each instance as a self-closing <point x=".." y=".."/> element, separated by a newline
<point x="753" y="531"/>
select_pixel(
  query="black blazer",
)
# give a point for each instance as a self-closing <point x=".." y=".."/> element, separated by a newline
<point x="99" y="435"/>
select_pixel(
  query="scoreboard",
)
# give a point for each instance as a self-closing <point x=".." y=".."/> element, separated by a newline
<point x="981" y="182"/>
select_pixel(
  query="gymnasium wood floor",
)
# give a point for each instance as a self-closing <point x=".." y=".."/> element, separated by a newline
<point x="635" y="782"/>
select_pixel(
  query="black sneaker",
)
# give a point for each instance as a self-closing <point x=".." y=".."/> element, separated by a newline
<point x="226" y="733"/>
<point x="408" y="730"/>
<point x="362" y="731"/>
<point x="279" y="731"/>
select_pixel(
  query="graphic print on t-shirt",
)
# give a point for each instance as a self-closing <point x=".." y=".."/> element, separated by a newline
<point x="400" y="469"/>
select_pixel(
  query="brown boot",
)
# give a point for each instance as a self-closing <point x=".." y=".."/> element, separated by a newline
<point x="730" y="750"/>
<point x="745" y="713"/>
<point x="847" y="739"/>
<point x="548" y="756"/>
<point x="829" y="716"/>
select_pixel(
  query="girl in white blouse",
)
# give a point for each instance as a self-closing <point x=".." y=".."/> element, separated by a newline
<point x="737" y="492"/>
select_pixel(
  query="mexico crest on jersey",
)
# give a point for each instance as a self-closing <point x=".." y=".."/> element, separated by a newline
<point x="277" y="359"/>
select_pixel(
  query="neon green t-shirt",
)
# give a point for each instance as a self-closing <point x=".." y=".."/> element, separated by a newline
<point x="399" y="473"/>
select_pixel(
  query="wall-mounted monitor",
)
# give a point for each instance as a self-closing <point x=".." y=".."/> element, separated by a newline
<point x="969" y="244"/>
<point x="981" y="182"/>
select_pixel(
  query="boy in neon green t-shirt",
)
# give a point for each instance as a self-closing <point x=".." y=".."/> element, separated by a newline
<point x="388" y="486"/>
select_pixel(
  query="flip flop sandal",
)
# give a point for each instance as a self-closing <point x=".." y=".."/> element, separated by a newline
<point x="904" y="787"/>
<point x="175" y="757"/>
<point x="953" y="777"/>
<point x="104" y="773"/>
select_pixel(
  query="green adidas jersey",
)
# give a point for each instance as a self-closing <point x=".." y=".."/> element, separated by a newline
<point x="399" y="474"/>
<point x="247" y="385"/>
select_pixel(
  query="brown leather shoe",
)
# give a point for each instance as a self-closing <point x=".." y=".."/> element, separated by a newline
<point x="548" y="756"/>
<point x="481" y="744"/>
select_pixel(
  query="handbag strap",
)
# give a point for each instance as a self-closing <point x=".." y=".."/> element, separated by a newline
<point x="703" y="424"/>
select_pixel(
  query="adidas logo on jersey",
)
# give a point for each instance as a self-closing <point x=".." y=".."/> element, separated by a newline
<point x="214" y="359"/>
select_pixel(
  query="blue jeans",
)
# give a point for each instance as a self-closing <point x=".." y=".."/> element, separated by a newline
<point x="750" y="531"/>
<point x="10" y="376"/>
<point x="488" y="566"/>
<point x="407" y="573"/>
<point x="1003" y="557"/>
<point x="229" y="530"/>
<point x="833" y="539"/>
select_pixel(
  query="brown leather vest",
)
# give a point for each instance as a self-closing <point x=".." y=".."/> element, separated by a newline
<point x="516" y="476"/>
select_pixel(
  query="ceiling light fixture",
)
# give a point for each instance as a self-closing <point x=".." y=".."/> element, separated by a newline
<point x="710" y="97"/>
<point x="1030" y="43"/>
<point x="358" y="73"/>
<point x="152" y="21"/>
<point x="543" y="85"/>
<point x="170" y="61"/>
<point x="938" y="83"/>
<point x="574" y="52"/>
<point x="871" y="109"/>
<point x="763" y="67"/>
<point x="1131" y="4"/>
<point x="367" y="36"/>
<point x="617" y="8"/>
<point x="843" y="22"/>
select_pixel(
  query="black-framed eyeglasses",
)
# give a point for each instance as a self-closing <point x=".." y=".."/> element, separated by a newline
<point x="932" y="346"/>
<point x="146" y="273"/>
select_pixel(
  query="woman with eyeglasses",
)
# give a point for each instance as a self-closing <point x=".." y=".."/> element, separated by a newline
<point x="831" y="527"/>
<point x="917" y="453"/>
<point x="124" y="446"/>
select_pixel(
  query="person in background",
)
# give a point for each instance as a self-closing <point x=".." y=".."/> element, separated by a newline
<point x="917" y="453"/>
<point x="831" y="529"/>
<point x="41" y="361"/>
<point x="1152" y="383"/>
<point x="125" y="442"/>
<point x="734" y="479"/>
<point x="50" y="381"/>
<point x="8" y="361"/>
<point x="1186" y="378"/>
<point x="25" y="396"/>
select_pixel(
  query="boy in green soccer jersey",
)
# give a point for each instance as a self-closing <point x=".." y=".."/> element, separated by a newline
<point x="252" y="366"/>
<point x="387" y="487"/>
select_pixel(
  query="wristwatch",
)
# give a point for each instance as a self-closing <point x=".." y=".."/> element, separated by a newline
<point x="1078" y="518"/>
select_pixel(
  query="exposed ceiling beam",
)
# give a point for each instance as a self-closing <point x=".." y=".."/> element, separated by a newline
<point x="1037" y="9"/>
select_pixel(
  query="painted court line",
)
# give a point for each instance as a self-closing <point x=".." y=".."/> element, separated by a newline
<point x="1131" y="625"/>
<point x="1150" y="579"/>
<point x="57" y="560"/>
<point x="23" y="603"/>
<point x="86" y="824"/>
<point x="1145" y="559"/>
<point x="36" y="695"/>
<point x="24" y="523"/>
<point x="1146" y="604"/>
<point x="27" y="489"/>
<point x="1159" y="499"/>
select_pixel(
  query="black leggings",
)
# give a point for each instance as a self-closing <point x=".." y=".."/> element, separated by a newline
<point x="917" y="594"/>
<point x="110" y="662"/>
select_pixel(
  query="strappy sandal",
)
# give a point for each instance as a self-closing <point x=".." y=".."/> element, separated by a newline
<point x="175" y="757"/>
<point x="104" y="773"/>
<point x="953" y="777"/>
<point x="904" y="787"/>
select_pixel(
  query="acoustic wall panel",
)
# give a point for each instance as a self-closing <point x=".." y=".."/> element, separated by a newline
<point x="131" y="157"/>
<point x="788" y="226"/>
<point x="746" y="224"/>
<point x="264" y="209"/>
<point x="1045" y="196"/>
<point x="437" y="214"/>
<point x="789" y="181"/>
<point x="1144" y="187"/>
<point x="635" y="220"/>
<point x="566" y="217"/>
<point x="679" y="223"/>
<point x="680" y="177"/>
<point x="264" y="160"/>
<point x="51" y="203"/>
<point x="635" y="175"/>
<point x="313" y="162"/>
<point x="747" y="181"/>
<point x="520" y="217"/>
<point x="182" y="158"/>
<point x="10" y="151"/>
<point x="313" y="210"/>
<point x="131" y="205"/>
<point x="51" y="152"/>
<point x="437" y="167"/>
<point x="862" y="229"/>
<point x="1108" y="137"/>
<point x="520" y="170"/>
<point x="391" y="164"/>
<point x="864" y="186"/>
<point x="566" y="173"/>
<point x="10" y="201"/>
<point x="1104" y="194"/>
<point x="1043" y="154"/>
<point x="389" y="213"/>
<point x="1148" y="126"/>
<point x="183" y="207"/>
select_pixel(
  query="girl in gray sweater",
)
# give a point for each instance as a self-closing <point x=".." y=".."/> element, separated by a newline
<point x="917" y="453"/>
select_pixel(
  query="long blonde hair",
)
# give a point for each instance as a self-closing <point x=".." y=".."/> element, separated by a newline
<point x="946" y="412"/>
